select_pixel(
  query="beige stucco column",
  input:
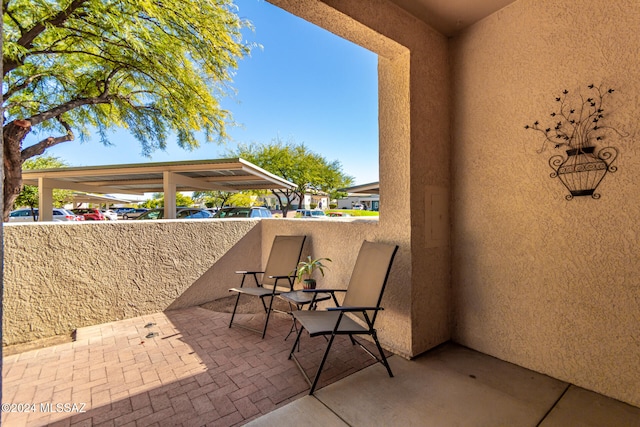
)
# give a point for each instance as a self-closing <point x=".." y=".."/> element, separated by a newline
<point x="45" y="200"/>
<point x="169" y="187"/>
<point x="414" y="117"/>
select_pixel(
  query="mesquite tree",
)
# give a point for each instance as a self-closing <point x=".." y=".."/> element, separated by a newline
<point x="154" y="67"/>
<point x="296" y="163"/>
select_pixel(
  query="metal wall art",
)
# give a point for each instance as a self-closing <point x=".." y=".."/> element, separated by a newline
<point x="577" y="125"/>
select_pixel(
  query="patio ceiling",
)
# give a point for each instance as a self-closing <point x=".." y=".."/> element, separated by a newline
<point x="451" y="16"/>
<point x="166" y="177"/>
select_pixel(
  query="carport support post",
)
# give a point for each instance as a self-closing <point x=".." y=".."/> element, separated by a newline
<point x="45" y="200"/>
<point x="169" y="186"/>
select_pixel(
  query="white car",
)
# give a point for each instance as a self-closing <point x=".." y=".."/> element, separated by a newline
<point x="25" y="215"/>
<point x="310" y="213"/>
<point x="109" y="214"/>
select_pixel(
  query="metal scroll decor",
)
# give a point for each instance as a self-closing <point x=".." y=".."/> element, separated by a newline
<point x="577" y="127"/>
<point x="582" y="171"/>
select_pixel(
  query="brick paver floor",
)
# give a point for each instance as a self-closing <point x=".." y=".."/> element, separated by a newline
<point x="182" y="367"/>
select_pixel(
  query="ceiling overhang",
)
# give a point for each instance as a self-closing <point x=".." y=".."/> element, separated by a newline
<point x="451" y="16"/>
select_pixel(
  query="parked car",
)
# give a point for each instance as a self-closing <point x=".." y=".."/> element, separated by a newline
<point x="310" y="213"/>
<point x="109" y="214"/>
<point x="338" y="214"/>
<point x="89" y="214"/>
<point x="181" y="213"/>
<point x="26" y="215"/>
<point x="122" y="211"/>
<point x="248" y="212"/>
<point x="133" y="213"/>
<point x="359" y="206"/>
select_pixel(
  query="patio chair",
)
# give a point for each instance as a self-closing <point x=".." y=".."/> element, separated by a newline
<point x="278" y="276"/>
<point x="359" y="309"/>
<point x="300" y="298"/>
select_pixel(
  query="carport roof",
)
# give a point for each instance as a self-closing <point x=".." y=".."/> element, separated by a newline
<point x="218" y="174"/>
<point x="98" y="198"/>
<point x="371" y="188"/>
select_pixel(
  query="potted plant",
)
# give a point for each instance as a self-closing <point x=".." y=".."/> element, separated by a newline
<point x="306" y="269"/>
<point x="578" y="124"/>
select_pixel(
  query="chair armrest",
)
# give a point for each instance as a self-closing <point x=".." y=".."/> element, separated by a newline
<point x="246" y="274"/>
<point x="318" y="291"/>
<point x="280" y="277"/>
<point x="323" y="290"/>
<point x="348" y="309"/>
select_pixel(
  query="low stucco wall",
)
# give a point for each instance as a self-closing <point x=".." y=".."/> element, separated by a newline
<point x="59" y="277"/>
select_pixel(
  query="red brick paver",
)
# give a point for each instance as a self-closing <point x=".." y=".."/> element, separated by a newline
<point x="182" y="367"/>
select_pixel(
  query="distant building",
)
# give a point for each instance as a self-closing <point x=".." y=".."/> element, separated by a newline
<point x="366" y="195"/>
<point x="310" y="201"/>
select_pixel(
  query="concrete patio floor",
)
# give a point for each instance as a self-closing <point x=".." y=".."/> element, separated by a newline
<point x="452" y="386"/>
<point x="187" y="368"/>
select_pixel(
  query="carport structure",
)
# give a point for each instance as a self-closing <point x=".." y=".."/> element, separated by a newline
<point x="166" y="177"/>
<point x="81" y="197"/>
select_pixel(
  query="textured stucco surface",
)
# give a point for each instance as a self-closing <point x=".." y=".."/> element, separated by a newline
<point x="414" y="118"/>
<point x="59" y="277"/>
<point x="546" y="283"/>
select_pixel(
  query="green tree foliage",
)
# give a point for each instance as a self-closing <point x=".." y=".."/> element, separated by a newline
<point x="218" y="199"/>
<point x="155" y="68"/>
<point x="241" y="199"/>
<point x="157" y="201"/>
<point x="296" y="163"/>
<point x="212" y="199"/>
<point x="29" y="195"/>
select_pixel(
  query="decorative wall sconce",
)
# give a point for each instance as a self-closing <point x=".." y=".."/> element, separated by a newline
<point x="582" y="170"/>
<point x="577" y="130"/>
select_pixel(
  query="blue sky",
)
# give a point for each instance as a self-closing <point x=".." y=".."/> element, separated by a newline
<point x="305" y="85"/>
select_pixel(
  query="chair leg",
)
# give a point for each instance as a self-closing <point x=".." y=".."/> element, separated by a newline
<point x="383" y="358"/>
<point x="353" y="341"/>
<point x="234" y="309"/>
<point x="297" y="341"/>
<point x="266" y="321"/>
<point x="324" y="358"/>
<point x="294" y="327"/>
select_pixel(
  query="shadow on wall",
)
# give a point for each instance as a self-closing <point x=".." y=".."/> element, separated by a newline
<point x="214" y="284"/>
<point x="250" y="253"/>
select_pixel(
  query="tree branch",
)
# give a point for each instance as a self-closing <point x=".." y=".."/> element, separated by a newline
<point x="27" y="38"/>
<point x="13" y="18"/>
<point x="12" y="90"/>
<point x="103" y="98"/>
<point x="40" y="147"/>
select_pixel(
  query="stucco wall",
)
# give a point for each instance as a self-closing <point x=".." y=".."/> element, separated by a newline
<point x="414" y="119"/>
<point x="59" y="277"/>
<point x="540" y="281"/>
<point x="93" y="273"/>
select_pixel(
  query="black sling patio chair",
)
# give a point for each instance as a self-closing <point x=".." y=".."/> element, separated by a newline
<point x="359" y="309"/>
<point x="278" y="276"/>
